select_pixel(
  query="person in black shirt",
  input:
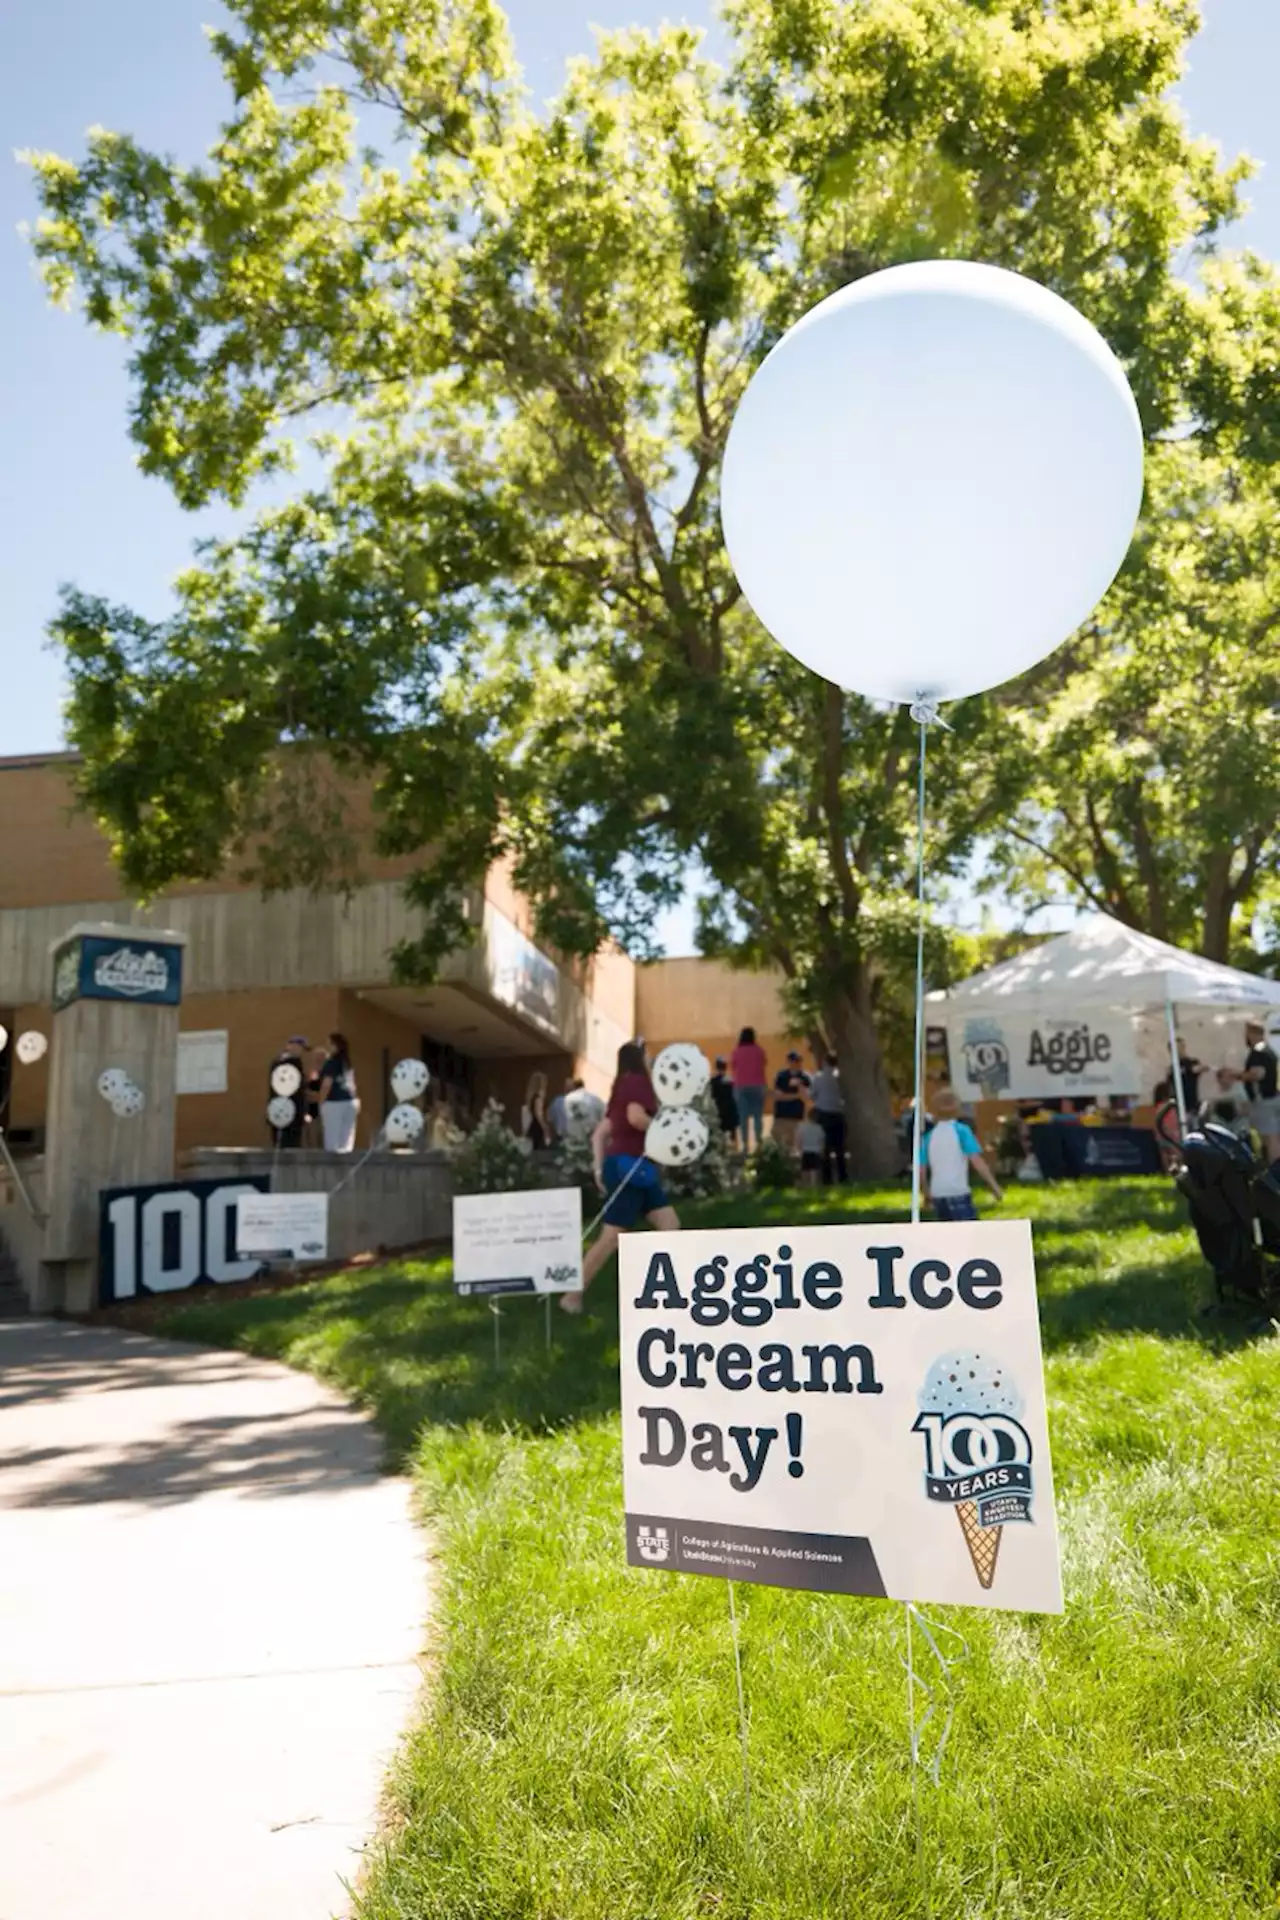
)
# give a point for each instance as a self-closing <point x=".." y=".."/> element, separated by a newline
<point x="726" y="1100"/>
<point x="790" y="1085"/>
<point x="1262" y="1084"/>
<point x="1189" y="1072"/>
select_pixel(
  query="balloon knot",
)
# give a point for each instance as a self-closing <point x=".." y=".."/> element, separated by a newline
<point x="924" y="711"/>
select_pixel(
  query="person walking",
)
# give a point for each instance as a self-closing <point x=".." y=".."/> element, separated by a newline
<point x="828" y="1099"/>
<point x="948" y="1151"/>
<point x="790" y="1085"/>
<point x="535" y="1127"/>
<point x="750" y="1079"/>
<point x="339" y="1103"/>
<point x="726" y="1103"/>
<point x="632" y="1185"/>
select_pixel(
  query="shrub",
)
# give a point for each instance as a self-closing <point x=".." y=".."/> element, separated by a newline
<point x="771" y="1166"/>
<point x="492" y="1160"/>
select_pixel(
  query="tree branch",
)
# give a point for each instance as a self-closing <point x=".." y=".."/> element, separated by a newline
<point x="1072" y="872"/>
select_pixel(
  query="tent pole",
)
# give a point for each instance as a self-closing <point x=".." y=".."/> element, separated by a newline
<point x="1178" y="1094"/>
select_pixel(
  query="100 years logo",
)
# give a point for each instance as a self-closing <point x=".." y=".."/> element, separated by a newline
<point x="977" y="1452"/>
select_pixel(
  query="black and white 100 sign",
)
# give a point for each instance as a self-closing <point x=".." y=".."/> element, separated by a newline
<point x="158" y="1239"/>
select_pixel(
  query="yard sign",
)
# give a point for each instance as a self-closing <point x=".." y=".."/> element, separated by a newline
<point x="849" y="1409"/>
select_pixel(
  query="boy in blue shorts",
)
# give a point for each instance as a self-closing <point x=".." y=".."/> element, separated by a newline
<point x="948" y="1151"/>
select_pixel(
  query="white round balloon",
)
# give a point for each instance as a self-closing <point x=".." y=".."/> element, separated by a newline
<point x="281" y="1112"/>
<point x="112" y="1082"/>
<point x="4" y="1038"/>
<point x="286" y="1078"/>
<point x="32" y="1046"/>
<point x="676" y="1137"/>
<point x="403" y="1126"/>
<point x="409" y="1079"/>
<point x="932" y="480"/>
<point x="680" y="1073"/>
<point x="129" y="1102"/>
<point x="583" y="1110"/>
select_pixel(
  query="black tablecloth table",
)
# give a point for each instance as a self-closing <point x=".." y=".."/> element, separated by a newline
<point x="1075" y="1153"/>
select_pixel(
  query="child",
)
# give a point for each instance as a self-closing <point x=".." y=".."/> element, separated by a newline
<point x="812" y="1142"/>
<point x="950" y="1148"/>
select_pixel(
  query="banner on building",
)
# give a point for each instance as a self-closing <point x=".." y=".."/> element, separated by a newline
<point x="518" y="1242"/>
<point x="846" y="1409"/>
<point x="1032" y="1056"/>
<point x="283" y="1226"/>
<point x="158" y="1239"/>
<point x="202" y="1061"/>
<point x="522" y="976"/>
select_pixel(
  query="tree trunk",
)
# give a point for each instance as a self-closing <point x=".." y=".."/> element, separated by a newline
<point x="871" y="1140"/>
<point x="1218" y="905"/>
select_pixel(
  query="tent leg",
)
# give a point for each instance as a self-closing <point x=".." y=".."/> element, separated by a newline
<point x="1178" y="1094"/>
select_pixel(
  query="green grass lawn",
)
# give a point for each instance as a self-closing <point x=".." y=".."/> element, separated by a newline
<point x="578" y="1756"/>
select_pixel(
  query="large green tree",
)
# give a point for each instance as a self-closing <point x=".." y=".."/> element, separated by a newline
<point x="1153" y="753"/>
<point x="524" y="334"/>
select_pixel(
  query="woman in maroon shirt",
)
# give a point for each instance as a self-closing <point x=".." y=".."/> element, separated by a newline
<point x="632" y="1184"/>
<point x="750" y="1078"/>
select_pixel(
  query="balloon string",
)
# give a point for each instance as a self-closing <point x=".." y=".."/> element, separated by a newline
<point x="372" y="1148"/>
<point x="921" y="712"/>
<point x="945" y="1704"/>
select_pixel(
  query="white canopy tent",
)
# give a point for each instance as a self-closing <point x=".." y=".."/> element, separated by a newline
<point x="1104" y="966"/>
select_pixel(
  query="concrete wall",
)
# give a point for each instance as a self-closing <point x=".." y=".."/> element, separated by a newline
<point x="237" y="941"/>
<point x="396" y="1199"/>
<point x="21" y="1234"/>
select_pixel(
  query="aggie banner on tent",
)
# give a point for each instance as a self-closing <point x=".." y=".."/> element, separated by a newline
<point x="845" y="1409"/>
<point x="1030" y="1056"/>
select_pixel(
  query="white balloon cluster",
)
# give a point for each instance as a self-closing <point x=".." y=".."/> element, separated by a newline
<point x="677" y="1136"/>
<point x="404" y="1124"/>
<point x="125" y="1099"/>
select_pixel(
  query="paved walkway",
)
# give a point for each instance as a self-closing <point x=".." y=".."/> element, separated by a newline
<point x="211" y="1605"/>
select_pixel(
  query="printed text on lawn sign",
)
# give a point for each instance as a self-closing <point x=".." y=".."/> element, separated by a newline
<point x="801" y="1407"/>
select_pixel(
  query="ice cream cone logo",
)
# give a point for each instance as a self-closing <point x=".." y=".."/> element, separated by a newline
<point x="977" y="1453"/>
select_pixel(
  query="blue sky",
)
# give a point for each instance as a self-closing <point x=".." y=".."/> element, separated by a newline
<point x="72" y="505"/>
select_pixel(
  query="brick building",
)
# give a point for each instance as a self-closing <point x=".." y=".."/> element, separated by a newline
<point x="259" y="970"/>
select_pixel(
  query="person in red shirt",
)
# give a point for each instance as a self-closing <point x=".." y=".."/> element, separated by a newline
<point x="632" y="1185"/>
<point x="750" y="1078"/>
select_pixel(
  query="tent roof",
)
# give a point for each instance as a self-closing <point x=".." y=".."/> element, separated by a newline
<point x="1102" y="963"/>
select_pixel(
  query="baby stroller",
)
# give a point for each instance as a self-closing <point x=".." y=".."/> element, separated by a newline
<point x="1234" y="1198"/>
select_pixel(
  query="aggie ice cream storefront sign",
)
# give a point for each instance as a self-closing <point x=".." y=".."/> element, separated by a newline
<point x="846" y="1409"/>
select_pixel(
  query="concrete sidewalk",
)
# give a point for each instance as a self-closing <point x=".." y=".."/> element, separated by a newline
<point x="211" y="1607"/>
